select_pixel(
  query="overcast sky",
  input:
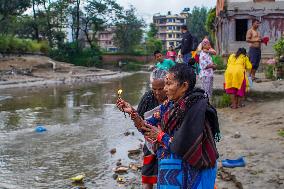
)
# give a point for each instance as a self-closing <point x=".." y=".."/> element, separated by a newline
<point x="146" y="8"/>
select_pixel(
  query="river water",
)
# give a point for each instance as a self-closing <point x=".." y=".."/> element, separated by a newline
<point x="83" y="125"/>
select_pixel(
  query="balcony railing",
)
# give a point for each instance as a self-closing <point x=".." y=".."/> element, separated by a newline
<point x="162" y="31"/>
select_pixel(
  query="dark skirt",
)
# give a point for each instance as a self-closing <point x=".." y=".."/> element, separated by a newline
<point x="150" y="167"/>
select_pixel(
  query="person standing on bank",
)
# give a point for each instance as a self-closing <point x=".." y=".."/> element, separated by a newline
<point x="162" y="63"/>
<point x="171" y="54"/>
<point x="186" y="44"/>
<point x="254" y="39"/>
<point x="150" y="101"/>
<point x="207" y="67"/>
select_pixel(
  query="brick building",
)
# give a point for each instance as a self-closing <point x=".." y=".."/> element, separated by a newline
<point x="105" y="39"/>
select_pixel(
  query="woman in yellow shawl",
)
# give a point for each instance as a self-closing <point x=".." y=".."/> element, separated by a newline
<point x="236" y="81"/>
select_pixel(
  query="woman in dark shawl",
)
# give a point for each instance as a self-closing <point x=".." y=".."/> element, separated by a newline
<point x="150" y="100"/>
<point x="185" y="130"/>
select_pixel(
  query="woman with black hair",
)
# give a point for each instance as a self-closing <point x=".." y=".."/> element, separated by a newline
<point x="236" y="80"/>
<point x="184" y="129"/>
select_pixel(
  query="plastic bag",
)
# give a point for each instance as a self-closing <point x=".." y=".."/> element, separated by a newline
<point x="250" y="82"/>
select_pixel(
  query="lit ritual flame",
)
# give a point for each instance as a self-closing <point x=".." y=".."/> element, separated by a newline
<point x="119" y="92"/>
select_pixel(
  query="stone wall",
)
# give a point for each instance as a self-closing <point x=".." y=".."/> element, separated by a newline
<point x="117" y="58"/>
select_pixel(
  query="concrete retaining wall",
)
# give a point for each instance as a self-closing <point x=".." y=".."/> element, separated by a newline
<point x="117" y="58"/>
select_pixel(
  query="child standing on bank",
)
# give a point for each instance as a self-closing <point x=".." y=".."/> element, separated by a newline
<point x="206" y="68"/>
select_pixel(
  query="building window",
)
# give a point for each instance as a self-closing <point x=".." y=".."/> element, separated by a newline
<point x="241" y="29"/>
<point x="170" y="35"/>
<point x="171" y="43"/>
<point x="170" y="27"/>
<point x="182" y="20"/>
<point x="170" y="20"/>
<point x="164" y="28"/>
<point x="178" y="28"/>
<point x="163" y="21"/>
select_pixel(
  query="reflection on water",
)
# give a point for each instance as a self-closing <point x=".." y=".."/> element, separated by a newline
<point x="83" y="125"/>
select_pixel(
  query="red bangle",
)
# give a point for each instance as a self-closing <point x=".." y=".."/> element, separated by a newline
<point x="160" y="136"/>
<point x="133" y="111"/>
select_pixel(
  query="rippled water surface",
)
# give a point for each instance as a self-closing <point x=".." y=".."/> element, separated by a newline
<point x="82" y="124"/>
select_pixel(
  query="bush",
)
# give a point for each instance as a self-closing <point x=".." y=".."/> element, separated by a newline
<point x="10" y="44"/>
<point x="279" y="47"/>
<point x="43" y="47"/>
<point x="4" y="43"/>
<point x="65" y="53"/>
<point x="79" y="57"/>
<point x="219" y="61"/>
<point x="269" y="72"/>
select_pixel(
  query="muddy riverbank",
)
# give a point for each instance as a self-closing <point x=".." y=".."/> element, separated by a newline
<point x="41" y="71"/>
<point x="253" y="132"/>
<point x="83" y="126"/>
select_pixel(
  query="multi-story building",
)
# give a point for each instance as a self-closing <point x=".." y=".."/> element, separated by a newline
<point x="105" y="39"/>
<point x="169" y="27"/>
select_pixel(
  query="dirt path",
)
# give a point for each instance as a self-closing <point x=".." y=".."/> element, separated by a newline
<point x="252" y="132"/>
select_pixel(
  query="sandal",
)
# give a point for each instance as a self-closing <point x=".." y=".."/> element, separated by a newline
<point x="231" y="163"/>
<point x="241" y="105"/>
<point x="254" y="79"/>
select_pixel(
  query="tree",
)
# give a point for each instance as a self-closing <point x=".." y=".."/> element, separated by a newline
<point x="128" y="32"/>
<point x="210" y="23"/>
<point x="47" y="21"/>
<point x="153" y="44"/>
<point x="153" y="31"/>
<point x="12" y="8"/>
<point x="97" y="14"/>
<point x="77" y="20"/>
<point x="196" y="22"/>
<point x="9" y="10"/>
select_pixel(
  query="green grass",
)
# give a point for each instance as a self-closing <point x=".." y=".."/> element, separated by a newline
<point x="221" y="101"/>
<point x="281" y="133"/>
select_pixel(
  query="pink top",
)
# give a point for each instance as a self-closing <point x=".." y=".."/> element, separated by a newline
<point x="171" y="55"/>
